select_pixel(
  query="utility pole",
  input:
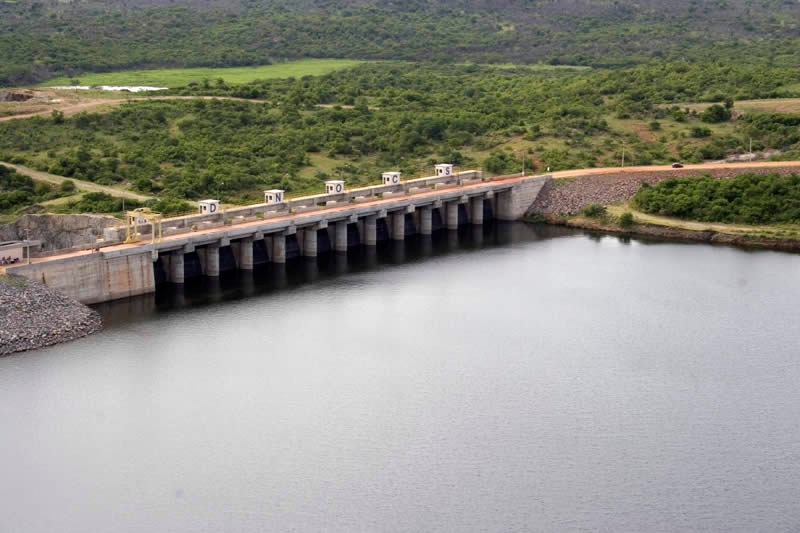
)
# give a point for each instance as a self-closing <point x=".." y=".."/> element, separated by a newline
<point x="28" y="244"/>
<point x="523" y="163"/>
<point x="623" y="155"/>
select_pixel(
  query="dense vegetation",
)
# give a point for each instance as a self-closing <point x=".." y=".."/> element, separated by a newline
<point x="19" y="192"/>
<point x="750" y="198"/>
<point x="357" y="123"/>
<point x="46" y="37"/>
<point x="100" y="202"/>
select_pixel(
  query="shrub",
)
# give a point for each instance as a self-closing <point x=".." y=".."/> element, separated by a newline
<point x="626" y="219"/>
<point x="595" y="211"/>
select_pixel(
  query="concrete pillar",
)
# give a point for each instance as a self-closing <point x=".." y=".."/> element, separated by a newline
<point x="452" y="215"/>
<point x="370" y="230"/>
<point x="310" y="242"/>
<point x="425" y="220"/>
<point x="212" y="261"/>
<point x="176" y="267"/>
<point x="246" y="254"/>
<point x="279" y="248"/>
<point x="398" y="226"/>
<point x="476" y="208"/>
<point x="341" y="236"/>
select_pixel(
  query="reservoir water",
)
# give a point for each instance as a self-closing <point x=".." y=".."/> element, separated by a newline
<point x="519" y="378"/>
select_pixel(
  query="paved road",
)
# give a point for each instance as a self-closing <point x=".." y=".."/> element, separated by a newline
<point x="82" y="185"/>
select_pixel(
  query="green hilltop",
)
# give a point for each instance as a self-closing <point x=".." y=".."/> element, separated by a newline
<point x="45" y="38"/>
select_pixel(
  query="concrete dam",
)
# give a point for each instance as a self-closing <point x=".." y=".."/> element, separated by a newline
<point x="215" y="241"/>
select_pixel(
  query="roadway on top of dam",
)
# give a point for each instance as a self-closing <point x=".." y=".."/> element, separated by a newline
<point x="325" y="212"/>
<point x="665" y="168"/>
<point x="330" y="212"/>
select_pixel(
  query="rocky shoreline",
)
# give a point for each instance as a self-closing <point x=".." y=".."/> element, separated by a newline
<point x="34" y="316"/>
<point x="567" y="196"/>
<point x="561" y="200"/>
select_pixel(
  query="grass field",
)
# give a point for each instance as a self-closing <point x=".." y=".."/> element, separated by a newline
<point x="177" y="77"/>
<point x="761" y="230"/>
<point x="774" y="105"/>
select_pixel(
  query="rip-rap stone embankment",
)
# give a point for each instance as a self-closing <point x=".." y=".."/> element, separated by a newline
<point x="33" y="316"/>
<point x="570" y="195"/>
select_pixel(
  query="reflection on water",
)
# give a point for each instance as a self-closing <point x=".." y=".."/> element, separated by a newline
<point x="495" y="379"/>
<point x="269" y="278"/>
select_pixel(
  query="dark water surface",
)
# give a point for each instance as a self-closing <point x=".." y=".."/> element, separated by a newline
<point x="517" y="379"/>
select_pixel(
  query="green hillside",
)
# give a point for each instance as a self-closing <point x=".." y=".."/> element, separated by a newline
<point x="358" y="122"/>
<point x="41" y="39"/>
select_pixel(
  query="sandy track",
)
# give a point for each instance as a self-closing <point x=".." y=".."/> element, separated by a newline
<point x="82" y="185"/>
<point x="663" y="168"/>
<point x="71" y="108"/>
<point x="605" y="186"/>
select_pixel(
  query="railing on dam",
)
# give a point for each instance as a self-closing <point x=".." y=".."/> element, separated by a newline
<point x="305" y="205"/>
<point x="277" y="233"/>
<point x="262" y="211"/>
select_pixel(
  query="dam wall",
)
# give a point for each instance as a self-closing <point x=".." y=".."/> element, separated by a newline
<point x="301" y="227"/>
<point x="518" y="202"/>
<point x="94" y="277"/>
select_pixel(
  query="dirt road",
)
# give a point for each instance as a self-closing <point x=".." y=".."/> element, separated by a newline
<point x="97" y="104"/>
<point x="82" y="185"/>
<point x="573" y="190"/>
<point x="663" y="168"/>
<point x="378" y="201"/>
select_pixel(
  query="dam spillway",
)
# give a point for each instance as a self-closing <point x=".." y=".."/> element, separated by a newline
<point x="241" y="238"/>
